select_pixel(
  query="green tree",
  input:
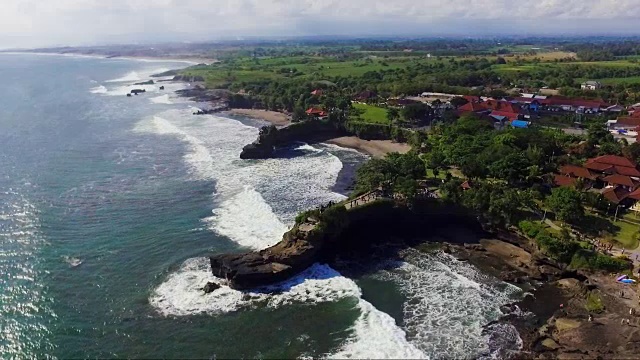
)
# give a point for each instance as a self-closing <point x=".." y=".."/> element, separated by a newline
<point x="632" y="152"/>
<point x="458" y="101"/>
<point x="566" y="203"/>
<point x="392" y="115"/>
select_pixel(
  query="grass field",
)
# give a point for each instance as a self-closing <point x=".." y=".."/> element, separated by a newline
<point x="615" y="81"/>
<point x="626" y="236"/>
<point x="372" y="114"/>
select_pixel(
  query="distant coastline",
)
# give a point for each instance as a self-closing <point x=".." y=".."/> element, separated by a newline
<point x="186" y="59"/>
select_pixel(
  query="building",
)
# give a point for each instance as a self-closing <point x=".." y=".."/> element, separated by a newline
<point x="591" y="85"/>
<point x="317" y="92"/>
<point x="615" y="177"/>
<point x="625" y="122"/>
<point x="315" y="112"/>
<point x="521" y="124"/>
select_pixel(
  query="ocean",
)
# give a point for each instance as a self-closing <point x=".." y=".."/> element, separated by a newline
<point x="110" y="205"/>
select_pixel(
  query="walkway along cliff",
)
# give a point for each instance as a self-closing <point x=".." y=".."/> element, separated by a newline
<point x="319" y="235"/>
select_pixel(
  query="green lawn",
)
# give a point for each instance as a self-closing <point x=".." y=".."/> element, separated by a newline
<point x="626" y="236"/>
<point x="372" y="114"/>
<point x="615" y="81"/>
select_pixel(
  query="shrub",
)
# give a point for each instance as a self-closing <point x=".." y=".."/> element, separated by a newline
<point x="531" y="229"/>
<point x="587" y="259"/>
<point x="594" y="303"/>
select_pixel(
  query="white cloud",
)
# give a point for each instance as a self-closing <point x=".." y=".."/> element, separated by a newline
<point x="37" y="22"/>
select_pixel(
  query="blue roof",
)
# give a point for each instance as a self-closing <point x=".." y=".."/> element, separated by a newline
<point x="520" y="124"/>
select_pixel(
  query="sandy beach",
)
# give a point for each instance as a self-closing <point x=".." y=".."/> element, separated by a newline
<point x="375" y="148"/>
<point x="274" y="117"/>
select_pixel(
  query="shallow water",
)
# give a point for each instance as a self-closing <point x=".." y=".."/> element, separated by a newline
<point x="110" y="204"/>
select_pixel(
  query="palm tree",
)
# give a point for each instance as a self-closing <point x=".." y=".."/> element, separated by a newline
<point x="392" y="115"/>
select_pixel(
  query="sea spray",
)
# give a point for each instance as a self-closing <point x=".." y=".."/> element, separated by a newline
<point x="448" y="303"/>
<point x="374" y="334"/>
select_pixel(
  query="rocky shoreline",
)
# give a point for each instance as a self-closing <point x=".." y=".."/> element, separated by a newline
<point x="556" y="319"/>
<point x="548" y="329"/>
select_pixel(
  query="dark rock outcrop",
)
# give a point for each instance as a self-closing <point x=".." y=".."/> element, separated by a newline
<point x="129" y="95"/>
<point x="210" y="287"/>
<point x="162" y="87"/>
<point x="149" y="82"/>
<point x="270" y="137"/>
<point x="320" y="237"/>
<point x="138" y="91"/>
<point x="188" y="78"/>
<point x="257" y="150"/>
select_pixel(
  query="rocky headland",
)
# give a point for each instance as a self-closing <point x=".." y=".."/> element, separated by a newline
<point x="323" y="234"/>
<point x="270" y="137"/>
<point x="566" y="314"/>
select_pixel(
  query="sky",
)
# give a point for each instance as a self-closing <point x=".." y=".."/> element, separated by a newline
<point x="37" y="23"/>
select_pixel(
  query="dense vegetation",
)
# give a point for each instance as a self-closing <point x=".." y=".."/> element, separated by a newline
<point x="282" y="76"/>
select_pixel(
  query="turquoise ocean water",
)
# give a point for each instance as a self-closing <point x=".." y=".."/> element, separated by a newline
<point x="110" y="204"/>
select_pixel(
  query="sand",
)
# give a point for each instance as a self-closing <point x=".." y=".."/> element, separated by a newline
<point x="375" y="148"/>
<point x="274" y="117"/>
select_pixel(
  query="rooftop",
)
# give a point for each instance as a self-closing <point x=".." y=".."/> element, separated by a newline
<point x="617" y="179"/>
<point x="577" y="171"/>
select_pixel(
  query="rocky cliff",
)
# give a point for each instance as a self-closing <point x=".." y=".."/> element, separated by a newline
<point x="319" y="237"/>
<point x="270" y="138"/>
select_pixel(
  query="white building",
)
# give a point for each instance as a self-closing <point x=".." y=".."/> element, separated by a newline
<point x="591" y="85"/>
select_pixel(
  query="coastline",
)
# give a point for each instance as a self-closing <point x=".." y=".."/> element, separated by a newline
<point x="186" y="60"/>
<point x="275" y="118"/>
<point x="373" y="148"/>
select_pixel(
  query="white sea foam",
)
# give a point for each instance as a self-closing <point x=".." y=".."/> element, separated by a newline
<point x="248" y="219"/>
<point x="72" y="261"/>
<point x="374" y="334"/>
<point x="129" y="77"/>
<point x="99" y="90"/>
<point x="242" y="214"/>
<point x="162" y="99"/>
<point x="448" y="303"/>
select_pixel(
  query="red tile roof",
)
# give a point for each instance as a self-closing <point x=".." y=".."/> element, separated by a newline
<point x="562" y="100"/>
<point x="316" y="112"/>
<point x="501" y="106"/>
<point x="466" y="185"/>
<point x="613" y="160"/>
<point x="629" y="120"/>
<point x="509" y="115"/>
<point x="598" y="166"/>
<point x="627" y="171"/>
<point x="635" y="195"/>
<point x="317" y="92"/>
<point x="620" y="180"/>
<point x="615" y="195"/>
<point x="577" y="171"/>
<point x="564" y="181"/>
<point x="472" y="107"/>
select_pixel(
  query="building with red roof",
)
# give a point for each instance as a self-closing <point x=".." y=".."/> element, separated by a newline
<point x="474" y="107"/>
<point x="615" y="195"/>
<point x="316" y="112"/>
<point x="317" y="92"/>
<point x="577" y="172"/>
<point x="506" y="114"/>
<point x="617" y="180"/>
<point x="504" y="106"/>
<point x="564" y="181"/>
<point x="627" y="122"/>
<point x="613" y="160"/>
